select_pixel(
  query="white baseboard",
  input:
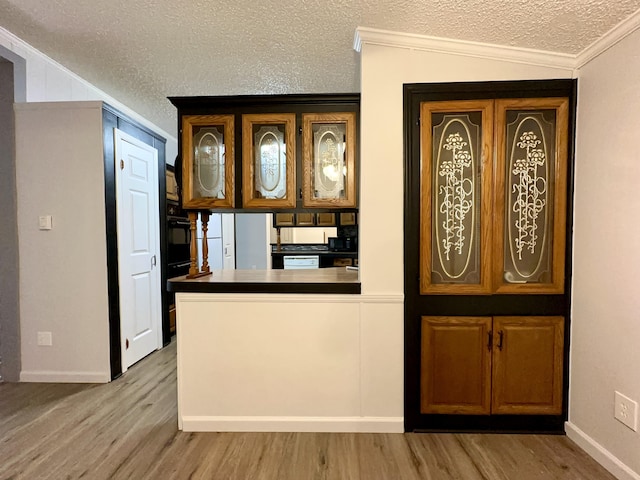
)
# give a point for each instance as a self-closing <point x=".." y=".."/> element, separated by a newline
<point x="292" y="424"/>
<point x="43" y="376"/>
<point x="603" y="456"/>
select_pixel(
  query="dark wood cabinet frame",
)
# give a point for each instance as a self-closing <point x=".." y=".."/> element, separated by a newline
<point x="417" y="305"/>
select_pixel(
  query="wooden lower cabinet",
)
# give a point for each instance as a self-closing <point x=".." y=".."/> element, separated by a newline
<point x="456" y="365"/>
<point x="527" y="365"/>
<point x="492" y="365"/>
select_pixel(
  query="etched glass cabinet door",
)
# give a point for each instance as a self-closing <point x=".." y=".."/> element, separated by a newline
<point x="456" y="197"/>
<point x="268" y="160"/>
<point x="493" y="215"/>
<point x="530" y="190"/>
<point x="208" y="156"/>
<point x="328" y="144"/>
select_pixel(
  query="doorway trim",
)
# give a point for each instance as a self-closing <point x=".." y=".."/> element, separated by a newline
<point x="113" y="118"/>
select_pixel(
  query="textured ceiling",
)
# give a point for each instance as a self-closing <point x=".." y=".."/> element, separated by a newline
<point x="142" y="51"/>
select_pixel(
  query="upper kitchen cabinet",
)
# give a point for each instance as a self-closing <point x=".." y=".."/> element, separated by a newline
<point x="286" y="153"/>
<point x="328" y="173"/>
<point x="207" y="161"/>
<point x="268" y="160"/>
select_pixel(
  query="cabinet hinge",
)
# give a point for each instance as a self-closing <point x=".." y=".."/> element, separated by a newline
<point x="121" y="164"/>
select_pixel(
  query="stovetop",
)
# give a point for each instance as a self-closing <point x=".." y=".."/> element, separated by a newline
<point x="301" y="248"/>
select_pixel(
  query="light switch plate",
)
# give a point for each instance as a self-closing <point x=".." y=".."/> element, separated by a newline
<point x="45" y="222"/>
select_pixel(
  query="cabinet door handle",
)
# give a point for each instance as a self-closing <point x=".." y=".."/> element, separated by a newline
<point x="489" y="340"/>
<point x="500" y="339"/>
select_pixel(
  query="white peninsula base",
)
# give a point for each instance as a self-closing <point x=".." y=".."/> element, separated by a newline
<point x="290" y="362"/>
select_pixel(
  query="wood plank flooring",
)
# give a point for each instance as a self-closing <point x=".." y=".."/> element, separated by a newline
<point x="128" y="430"/>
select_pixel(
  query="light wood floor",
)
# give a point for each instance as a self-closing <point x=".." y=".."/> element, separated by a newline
<point x="128" y="430"/>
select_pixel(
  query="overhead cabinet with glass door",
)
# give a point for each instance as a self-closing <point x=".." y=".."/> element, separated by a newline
<point x="493" y="202"/>
<point x="329" y="167"/>
<point x="268" y="160"/>
<point x="284" y="152"/>
<point x="208" y="161"/>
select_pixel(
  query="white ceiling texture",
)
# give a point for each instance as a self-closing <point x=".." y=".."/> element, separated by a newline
<point x="142" y="51"/>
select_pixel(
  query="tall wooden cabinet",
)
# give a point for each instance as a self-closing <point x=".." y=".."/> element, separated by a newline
<point x="487" y="300"/>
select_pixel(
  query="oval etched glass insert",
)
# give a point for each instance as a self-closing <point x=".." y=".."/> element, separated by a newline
<point x="270" y="161"/>
<point x="329" y="167"/>
<point x="530" y="141"/>
<point x="208" y="165"/>
<point x="456" y="139"/>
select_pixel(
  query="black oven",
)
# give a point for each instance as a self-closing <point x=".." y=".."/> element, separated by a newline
<point x="178" y="241"/>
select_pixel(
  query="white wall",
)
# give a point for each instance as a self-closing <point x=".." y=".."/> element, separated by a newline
<point x="63" y="271"/>
<point x="605" y="336"/>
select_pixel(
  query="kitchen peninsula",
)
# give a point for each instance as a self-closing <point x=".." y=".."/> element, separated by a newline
<point x="282" y="349"/>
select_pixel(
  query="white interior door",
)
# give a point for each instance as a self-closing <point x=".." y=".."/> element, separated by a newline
<point x="138" y="248"/>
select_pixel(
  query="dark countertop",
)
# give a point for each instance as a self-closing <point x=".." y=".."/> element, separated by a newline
<point x="337" y="280"/>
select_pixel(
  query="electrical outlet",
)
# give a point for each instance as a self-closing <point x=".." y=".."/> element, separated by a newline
<point x="626" y="411"/>
<point x="45" y="339"/>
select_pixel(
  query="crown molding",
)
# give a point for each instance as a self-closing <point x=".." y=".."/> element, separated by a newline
<point x="609" y="39"/>
<point x="387" y="38"/>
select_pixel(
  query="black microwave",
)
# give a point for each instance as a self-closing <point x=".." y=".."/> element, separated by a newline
<point x="342" y="244"/>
